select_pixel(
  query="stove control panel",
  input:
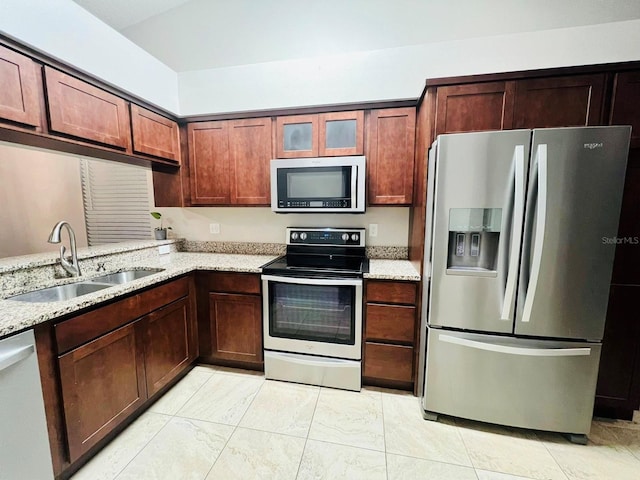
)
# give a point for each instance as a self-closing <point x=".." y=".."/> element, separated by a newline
<point x="350" y="237"/>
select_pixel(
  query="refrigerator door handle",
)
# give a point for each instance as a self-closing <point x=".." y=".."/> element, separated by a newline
<point x="538" y="241"/>
<point x="530" y="352"/>
<point x="516" y="237"/>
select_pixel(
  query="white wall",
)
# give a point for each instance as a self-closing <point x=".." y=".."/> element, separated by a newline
<point x="261" y="225"/>
<point x="37" y="189"/>
<point x="65" y="31"/>
<point x="399" y="72"/>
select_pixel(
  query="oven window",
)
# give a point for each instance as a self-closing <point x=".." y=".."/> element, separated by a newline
<point x="319" y="313"/>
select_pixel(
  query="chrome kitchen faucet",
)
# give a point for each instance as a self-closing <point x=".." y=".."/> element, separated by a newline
<point x="70" y="266"/>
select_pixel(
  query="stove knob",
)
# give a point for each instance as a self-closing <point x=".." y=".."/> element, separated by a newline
<point x="303" y="236"/>
<point x="345" y="236"/>
<point x="294" y="236"/>
<point x="355" y="237"/>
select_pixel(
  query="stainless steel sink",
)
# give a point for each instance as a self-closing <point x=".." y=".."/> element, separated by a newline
<point x="83" y="287"/>
<point x="126" y="276"/>
<point x="61" y="292"/>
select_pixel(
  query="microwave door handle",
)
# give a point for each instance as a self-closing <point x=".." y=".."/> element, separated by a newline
<point x="354" y="178"/>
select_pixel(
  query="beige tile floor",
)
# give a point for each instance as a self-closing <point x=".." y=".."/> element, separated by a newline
<point x="220" y="423"/>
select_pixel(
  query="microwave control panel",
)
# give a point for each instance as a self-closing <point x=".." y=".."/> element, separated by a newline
<point x="315" y="204"/>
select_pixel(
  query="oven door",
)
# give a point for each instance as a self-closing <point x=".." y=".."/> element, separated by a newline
<point x="318" y="316"/>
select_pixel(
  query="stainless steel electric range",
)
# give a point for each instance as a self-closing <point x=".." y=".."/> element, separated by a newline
<point x="312" y="308"/>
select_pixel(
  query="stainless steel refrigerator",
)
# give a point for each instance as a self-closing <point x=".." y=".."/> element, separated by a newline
<point x="520" y="241"/>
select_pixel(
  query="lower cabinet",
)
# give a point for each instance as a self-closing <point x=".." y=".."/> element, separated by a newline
<point x="389" y="333"/>
<point x="112" y="359"/>
<point x="230" y="319"/>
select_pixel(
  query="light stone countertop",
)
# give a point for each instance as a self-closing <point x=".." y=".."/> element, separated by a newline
<point x="16" y="316"/>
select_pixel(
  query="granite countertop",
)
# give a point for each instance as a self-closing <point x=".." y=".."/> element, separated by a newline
<point x="16" y="316"/>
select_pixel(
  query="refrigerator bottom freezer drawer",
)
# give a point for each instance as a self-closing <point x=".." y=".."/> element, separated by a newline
<point x="542" y="385"/>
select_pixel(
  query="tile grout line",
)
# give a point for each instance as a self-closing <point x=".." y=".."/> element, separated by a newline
<point x="306" y="439"/>
<point x="554" y="457"/>
<point x="384" y="437"/>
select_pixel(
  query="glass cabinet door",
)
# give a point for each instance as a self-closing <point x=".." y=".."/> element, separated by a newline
<point x="341" y="133"/>
<point x="297" y="136"/>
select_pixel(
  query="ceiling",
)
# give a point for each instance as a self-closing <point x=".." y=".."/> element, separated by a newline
<point x="191" y="35"/>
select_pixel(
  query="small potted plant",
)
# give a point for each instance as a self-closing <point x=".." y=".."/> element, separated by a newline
<point x="160" y="232"/>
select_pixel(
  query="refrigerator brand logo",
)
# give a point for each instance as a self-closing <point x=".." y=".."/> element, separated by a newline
<point x="621" y="240"/>
<point x="592" y="146"/>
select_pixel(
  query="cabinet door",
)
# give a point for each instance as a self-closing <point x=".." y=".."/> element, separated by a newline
<point x="209" y="162"/>
<point x="250" y="156"/>
<point x="388" y="362"/>
<point x="341" y="133"/>
<point x="618" y="388"/>
<point x="474" y="107"/>
<point x="169" y="344"/>
<point x="102" y="383"/>
<point x="559" y="102"/>
<point x="392" y="134"/>
<point x="297" y="136"/>
<point x="18" y="88"/>
<point x="154" y="134"/>
<point x="236" y="327"/>
<point x="625" y="108"/>
<point x="87" y="112"/>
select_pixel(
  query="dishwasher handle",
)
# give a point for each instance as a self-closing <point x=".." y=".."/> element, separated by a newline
<point x="15" y="356"/>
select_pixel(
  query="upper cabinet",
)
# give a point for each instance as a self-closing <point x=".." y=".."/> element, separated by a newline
<point x="474" y="107"/>
<point x="390" y="154"/>
<point x="19" y="89"/>
<point x="320" y="135"/>
<point x="571" y="101"/>
<point x="625" y="108"/>
<point x="229" y="162"/>
<point x="154" y="134"/>
<point x="86" y="112"/>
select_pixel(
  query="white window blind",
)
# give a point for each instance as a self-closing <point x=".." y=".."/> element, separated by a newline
<point x="116" y="202"/>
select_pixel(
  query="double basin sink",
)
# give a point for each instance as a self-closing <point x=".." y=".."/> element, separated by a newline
<point x="83" y="287"/>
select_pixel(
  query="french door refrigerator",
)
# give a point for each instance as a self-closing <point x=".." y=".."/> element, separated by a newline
<point x="520" y="240"/>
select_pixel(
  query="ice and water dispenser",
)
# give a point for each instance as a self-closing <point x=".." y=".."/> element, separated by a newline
<point x="474" y="236"/>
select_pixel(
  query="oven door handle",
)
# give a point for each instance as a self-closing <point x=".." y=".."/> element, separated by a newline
<point x="314" y="281"/>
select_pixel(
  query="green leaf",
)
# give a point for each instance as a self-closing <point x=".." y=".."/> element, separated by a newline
<point x="156" y="215"/>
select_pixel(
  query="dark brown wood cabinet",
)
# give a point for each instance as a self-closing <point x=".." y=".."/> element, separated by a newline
<point x="83" y="111"/>
<point x="102" y="383"/>
<point x="230" y="319"/>
<point x="474" y="107"/>
<point x="320" y="135"/>
<point x="390" y="333"/>
<point x="229" y="162"/>
<point x="170" y="343"/>
<point x="570" y="101"/>
<point x="154" y="134"/>
<point x="625" y="106"/>
<point x="390" y="156"/>
<point x="19" y="89"/>
<point x="111" y="360"/>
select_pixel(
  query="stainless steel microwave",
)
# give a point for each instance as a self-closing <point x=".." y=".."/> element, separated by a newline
<point x="328" y="184"/>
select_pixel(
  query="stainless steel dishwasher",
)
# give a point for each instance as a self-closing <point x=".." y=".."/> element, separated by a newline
<point x="24" y="442"/>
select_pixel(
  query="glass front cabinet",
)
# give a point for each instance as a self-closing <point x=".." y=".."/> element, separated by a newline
<point x="320" y="135"/>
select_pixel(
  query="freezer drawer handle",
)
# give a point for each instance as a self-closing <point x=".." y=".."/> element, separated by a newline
<point x="529" y="352"/>
<point x="514" y="255"/>
<point x="16" y="356"/>
<point x="541" y="153"/>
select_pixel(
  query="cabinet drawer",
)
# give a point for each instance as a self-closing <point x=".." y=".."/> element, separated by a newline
<point x="393" y="323"/>
<point x="388" y="362"/>
<point x="391" y="292"/>
<point x="234" y="282"/>
<point x="87" y="112"/>
<point x="83" y="328"/>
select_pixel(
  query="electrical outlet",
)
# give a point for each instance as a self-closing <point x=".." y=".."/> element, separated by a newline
<point x="214" y="228"/>
<point x="373" y="229"/>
